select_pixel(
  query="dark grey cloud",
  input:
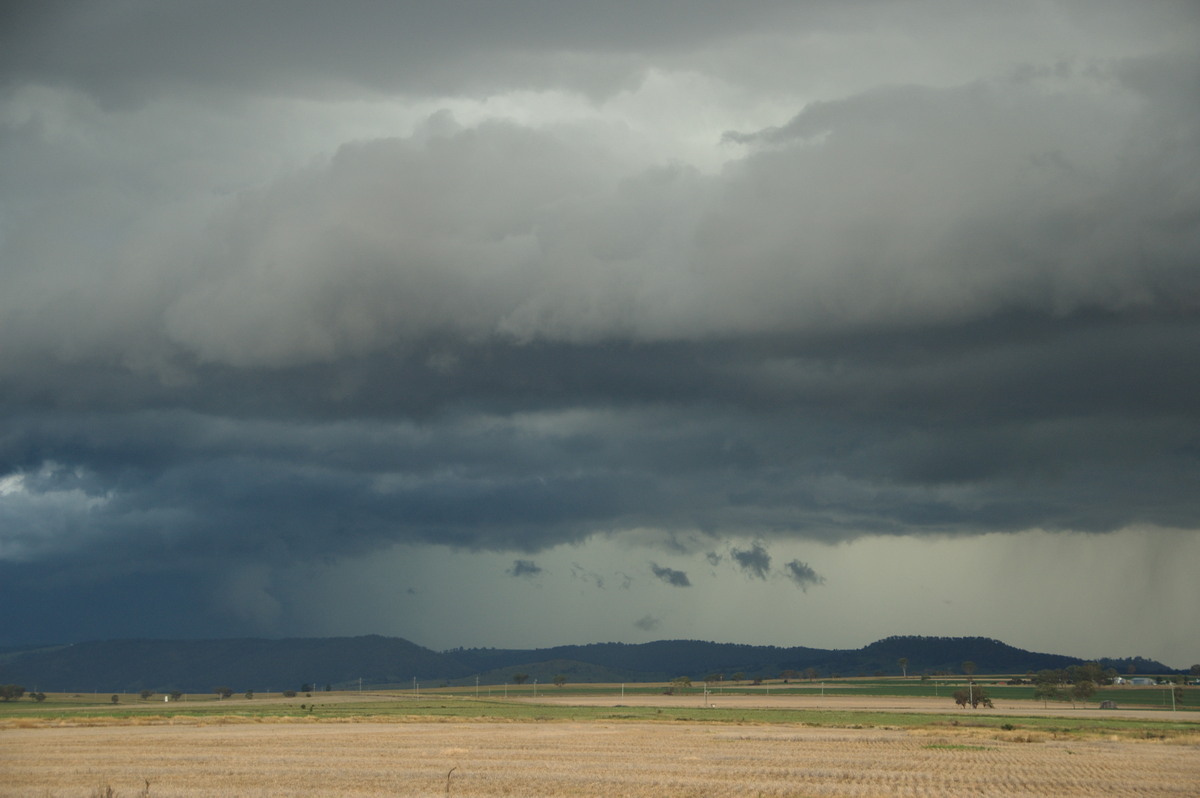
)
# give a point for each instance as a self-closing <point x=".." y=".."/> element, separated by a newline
<point x="524" y="568"/>
<point x="803" y="575"/>
<point x="670" y="575"/>
<point x="755" y="561"/>
<point x="129" y="52"/>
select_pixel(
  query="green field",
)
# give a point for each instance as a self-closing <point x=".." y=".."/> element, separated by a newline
<point x="464" y="704"/>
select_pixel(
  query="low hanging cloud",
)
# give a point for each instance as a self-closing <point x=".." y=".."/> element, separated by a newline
<point x="803" y="575"/>
<point x="755" y="561"/>
<point x="524" y="569"/>
<point x="670" y="575"/>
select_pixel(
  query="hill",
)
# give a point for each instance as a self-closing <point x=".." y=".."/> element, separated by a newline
<point x="266" y="665"/>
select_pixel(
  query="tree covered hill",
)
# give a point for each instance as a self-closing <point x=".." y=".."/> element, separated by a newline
<point x="242" y="663"/>
<point x="274" y="665"/>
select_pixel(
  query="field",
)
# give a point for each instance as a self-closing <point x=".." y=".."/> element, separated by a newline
<point x="597" y="742"/>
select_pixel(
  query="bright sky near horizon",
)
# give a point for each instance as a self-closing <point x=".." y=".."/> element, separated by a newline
<point x="521" y="324"/>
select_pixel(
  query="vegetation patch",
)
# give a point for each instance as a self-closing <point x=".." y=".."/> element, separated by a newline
<point x="957" y="747"/>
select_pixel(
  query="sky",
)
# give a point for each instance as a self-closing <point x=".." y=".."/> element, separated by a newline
<point x="521" y="324"/>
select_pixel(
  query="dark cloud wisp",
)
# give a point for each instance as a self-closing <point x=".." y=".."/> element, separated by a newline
<point x="803" y="575"/>
<point x="670" y="575"/>
<point x="524" y="568"/>
<point x="755" y="561"/>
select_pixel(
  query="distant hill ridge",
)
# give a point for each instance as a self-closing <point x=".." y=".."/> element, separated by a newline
<point x="273" y="665"/>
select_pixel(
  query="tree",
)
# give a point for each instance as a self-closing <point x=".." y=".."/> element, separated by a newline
<point x="1082" y="690"/>
<point x="738" y="676"/>
<point x="1195" y="671"/>
<point x="145" y="694"/>
<point x="8" y="692"/>
<point x="811" y="673"/>
<point x="223" y="692"/>
<point x="968" y="668"/>
<point x="38" y="697"/>
<point x="520" y="678"/>
<point x="176" y="695"/>
<point x="1047" y="692"/>
<point x="115" y="698"/>
<point x="249" y="694"/>
<point x="681" y="681"/>
<point x="289" y="693"/>
<point x="1048" y="676"/>
<point x="903" y="666"/>
<point x="560" y="680"/>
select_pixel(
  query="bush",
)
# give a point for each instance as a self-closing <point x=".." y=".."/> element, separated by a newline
<point x="289" y="693"/>
<point x="975" y="696"/>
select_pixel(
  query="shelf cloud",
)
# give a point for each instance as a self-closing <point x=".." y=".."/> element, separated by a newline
<point x="287" y="292"/>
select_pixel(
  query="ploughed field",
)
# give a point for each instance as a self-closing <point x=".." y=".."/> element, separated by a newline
<point x="200" y="756"/>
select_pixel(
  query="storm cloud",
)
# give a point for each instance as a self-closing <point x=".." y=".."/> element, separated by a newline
<point x="284" y="292"/>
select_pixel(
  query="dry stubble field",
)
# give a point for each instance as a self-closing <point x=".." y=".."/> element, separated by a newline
<point x="196" y="758"/>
